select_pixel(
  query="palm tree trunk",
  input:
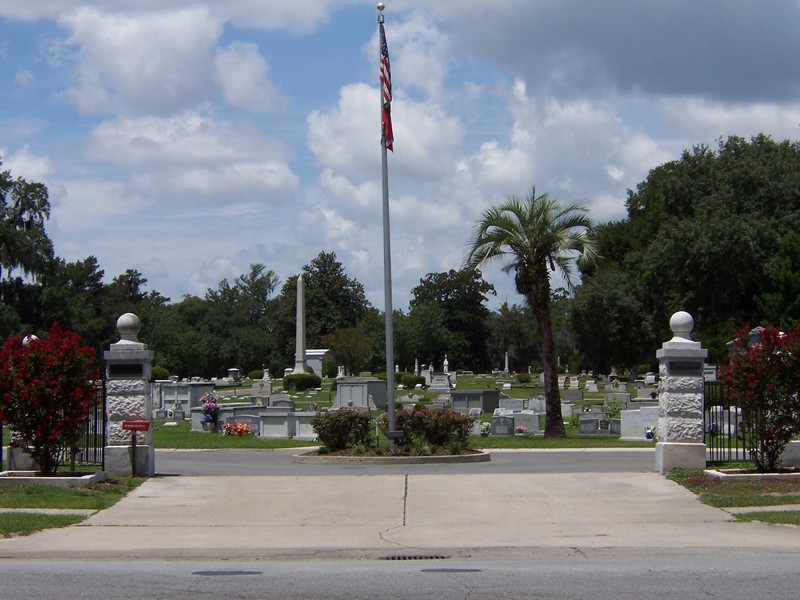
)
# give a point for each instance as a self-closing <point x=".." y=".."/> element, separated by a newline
<point x="554" y="421"/>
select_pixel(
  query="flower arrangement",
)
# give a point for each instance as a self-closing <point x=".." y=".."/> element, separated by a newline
<point x="486" y="429"/>
<point x="210" y="408"/>
<point x="520" y="430"/>
<point x="236" y="429"/>
<point x="650" y="433"/>
<point x="712" y="429"/>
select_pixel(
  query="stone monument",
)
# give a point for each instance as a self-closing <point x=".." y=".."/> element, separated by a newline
<point x="300" y="342"/>
<point x="128" y="398"/>
<point x="680" y="439"/>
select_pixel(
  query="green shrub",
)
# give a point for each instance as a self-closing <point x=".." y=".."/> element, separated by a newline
<point x="408" y="380"/>
<point x="301" y="381"/>
<point x="341" y="429"/>
<point x="435" y="429"/>
<point x="524" y="378"/>
<point x="157" y="372"/>
<point x="614" y="409"/>
<point x="257" y="374"/>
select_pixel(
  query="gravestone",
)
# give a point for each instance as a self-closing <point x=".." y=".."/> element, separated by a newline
<point x="635" y="421"/>
<point x="572" y="395"/>
<point x="502" y="425"/>
<point x="302" y="426"/>
<point x="277" y="424"/>
<point x="537" y="403"/>
<point x="360" y="394"/>
<point x="591" y="387"/>
<point x="589" y="423"/>
<point x="528" y="420"/>
<point x="513" y="404"/>
<point x="440" y="382"/>
<point x="463" y="400"/>
<point x="284" y="403"/>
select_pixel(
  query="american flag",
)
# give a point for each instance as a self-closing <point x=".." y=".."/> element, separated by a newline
<point x="386" y="90"/>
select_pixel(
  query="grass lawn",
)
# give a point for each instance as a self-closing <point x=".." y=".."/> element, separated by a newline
<point x="737" y="493"/>
<point x="783" y="517"/>
<point x="181" y="437"/>
<point x="33" y="496"/>
<point x="12" y="524"/>
<point x="718" y="492"/>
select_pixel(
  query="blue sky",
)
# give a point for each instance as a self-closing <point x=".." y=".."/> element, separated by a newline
<point x="190" y="139"/>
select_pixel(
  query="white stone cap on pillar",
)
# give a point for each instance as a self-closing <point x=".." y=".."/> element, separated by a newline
<point x="681" y="344"/>
<point x="128" y="326"/>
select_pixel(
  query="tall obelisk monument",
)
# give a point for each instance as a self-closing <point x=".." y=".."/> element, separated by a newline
<point x="300" y="342"/>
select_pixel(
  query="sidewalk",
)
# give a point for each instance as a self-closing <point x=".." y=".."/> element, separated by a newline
<point x="218" y="518"/>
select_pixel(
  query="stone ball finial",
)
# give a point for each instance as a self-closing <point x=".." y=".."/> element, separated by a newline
<point x="681" y="324"/>
<point x="128" y="326"/>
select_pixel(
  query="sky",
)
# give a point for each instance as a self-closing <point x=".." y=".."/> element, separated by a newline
<point x="190" y="139"/>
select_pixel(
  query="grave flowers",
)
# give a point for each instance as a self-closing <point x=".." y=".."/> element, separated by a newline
<point x="520" y="430"/>
<point x="650" y="433"/>
<point x="210" y="411"/>
<point x="236" y="429"/>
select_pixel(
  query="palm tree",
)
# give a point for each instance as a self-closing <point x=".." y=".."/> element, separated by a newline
<point x="538" y="236"/>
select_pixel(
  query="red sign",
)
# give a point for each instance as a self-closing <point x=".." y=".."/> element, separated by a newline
<point x="135" y="425"/>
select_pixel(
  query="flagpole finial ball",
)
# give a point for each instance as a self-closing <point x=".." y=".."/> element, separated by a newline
<point x="381" y="6"/>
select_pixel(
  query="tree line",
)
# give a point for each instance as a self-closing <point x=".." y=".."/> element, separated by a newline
<point x="713" y="232"/>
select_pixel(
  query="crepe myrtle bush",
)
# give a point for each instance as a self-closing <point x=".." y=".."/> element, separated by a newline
<point x="46" y="392"/>
<point x="435" y="427"/>
<point x="763" y="378"/>
<point x="341" y="429"/>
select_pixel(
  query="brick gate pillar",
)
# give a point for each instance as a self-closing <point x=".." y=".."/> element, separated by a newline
<point x="681" y="442"/>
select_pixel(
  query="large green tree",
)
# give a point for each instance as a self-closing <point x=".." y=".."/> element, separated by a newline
<point x="24" y="207"/>
<point x="333" y="301"/>
<point x="462" y="296"/>
<point x="705" y="233"/>
<point x="536" y="236"/>
<point x="510" y="331"/>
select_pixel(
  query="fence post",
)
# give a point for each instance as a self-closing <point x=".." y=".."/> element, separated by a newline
<point x="681" y="442"/>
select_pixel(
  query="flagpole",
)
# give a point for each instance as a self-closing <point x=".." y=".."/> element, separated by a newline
<point x="387" y="271"/>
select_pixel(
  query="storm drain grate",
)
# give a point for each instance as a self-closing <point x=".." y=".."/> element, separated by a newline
<point x="226" y="573"/>
<point x="416" y="557"/>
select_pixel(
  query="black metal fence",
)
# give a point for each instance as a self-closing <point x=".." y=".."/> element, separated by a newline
<point x="722" y="424"/>
<point x="90" y="449"/>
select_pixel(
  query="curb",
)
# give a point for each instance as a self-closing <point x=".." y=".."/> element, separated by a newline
<point x="327" y="459"/>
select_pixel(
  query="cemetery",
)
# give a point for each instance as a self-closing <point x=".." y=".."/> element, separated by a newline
<point x="504" y="409"/>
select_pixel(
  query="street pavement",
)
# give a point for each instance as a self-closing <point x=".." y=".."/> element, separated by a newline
<point x="542" y="503"/>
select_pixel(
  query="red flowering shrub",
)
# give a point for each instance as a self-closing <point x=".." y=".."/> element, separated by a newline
<point x="435" y="428"/>
<point x="46" y="391"/>
<point x="764" y="381"/>
<point x="341" y="429"/>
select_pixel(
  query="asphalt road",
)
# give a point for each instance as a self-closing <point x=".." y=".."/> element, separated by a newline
<point x="279" y="462"/>
<point x="624" y="577"/>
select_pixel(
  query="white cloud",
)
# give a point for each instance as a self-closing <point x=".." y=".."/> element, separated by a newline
<point x="24" y="163"/>
<point x="193" y="156"/>
<point x="157" y="62"/>
<point x="243" y="75"/>
<point x="702" y="121"/>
